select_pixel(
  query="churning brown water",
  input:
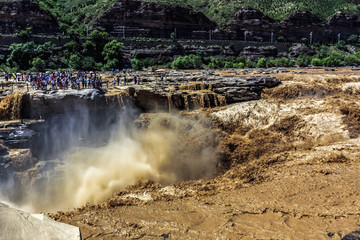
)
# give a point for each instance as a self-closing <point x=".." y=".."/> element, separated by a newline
<point x="169" y="150"/>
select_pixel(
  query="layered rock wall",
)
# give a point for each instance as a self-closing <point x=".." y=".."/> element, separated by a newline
<point x="22" y="14"/>
<point x="250" y="24"/>
<point x="141" y="19"/>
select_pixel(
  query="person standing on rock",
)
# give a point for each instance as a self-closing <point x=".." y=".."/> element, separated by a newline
<point x="138" y="80"/>
<point x="118" y="79"/>
<point x="134" y="78"/>
<point x="53" y="84"/>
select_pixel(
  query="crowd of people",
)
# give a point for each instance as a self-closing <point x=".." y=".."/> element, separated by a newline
<point x="58" y="80"/>
<point x="71" y="80"/>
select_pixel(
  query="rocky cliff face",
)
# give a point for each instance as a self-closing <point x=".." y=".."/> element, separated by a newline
<point x="21" y="14"/>
<point x="135" y="19"/>
<point x="131" y="18"/>
<point x="256" y="26"/>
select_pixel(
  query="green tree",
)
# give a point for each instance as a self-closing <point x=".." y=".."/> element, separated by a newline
<point x="38" y="64"/>
<point x="75" y="61"/>
<point x="113" y="54"/>
<point x="95" y="44"/>
<point x="88" y="63"/>
<point x="21" y="55"/>
<point x="72" y="46"/>
<point x="136" y="64"/>
<point x="99" y="39"/>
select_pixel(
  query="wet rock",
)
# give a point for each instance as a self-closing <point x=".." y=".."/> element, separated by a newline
<point x="241" y="89"/>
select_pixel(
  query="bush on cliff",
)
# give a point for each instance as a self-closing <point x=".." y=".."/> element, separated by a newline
<point x="24" y="34"/>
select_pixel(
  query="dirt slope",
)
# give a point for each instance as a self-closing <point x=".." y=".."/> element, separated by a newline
<point x="290" y="170"/>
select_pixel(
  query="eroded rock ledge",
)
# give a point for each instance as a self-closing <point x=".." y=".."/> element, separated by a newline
<point x="178" y="91"/>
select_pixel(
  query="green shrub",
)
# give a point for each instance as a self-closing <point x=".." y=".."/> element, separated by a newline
<point x="353" y="39"/>
<point x="341" y="45"/>
<point x="303" y="60"/>
<point x="352" y="60"/>
<point x="261" y="63"/>
<point x="240" y="65"/>
<point x="24" y="34"/>
<point x="331" y="61"/>
<point x="323" y="51"/>
<point x="281" y="39"/>
<point x="304" y="40"/>
<point x="187" y="62"/>
<point x="316" y="62"/>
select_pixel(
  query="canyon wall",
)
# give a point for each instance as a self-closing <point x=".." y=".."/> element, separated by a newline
<point x="141" y="19"/>
<point x="257" y="27"/>
<point x="22" y="14"/>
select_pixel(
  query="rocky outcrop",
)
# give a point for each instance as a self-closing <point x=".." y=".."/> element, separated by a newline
<point x="45" y="104"/>
<point x="241" y="89"/>
<point x="248" y="23"/>
<point x="194" y="91"/>
<point x="25" y="14"/>
<point x="299" y="48"/>
<point x="178" y="91"/>
<point x="136" y="18"/>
